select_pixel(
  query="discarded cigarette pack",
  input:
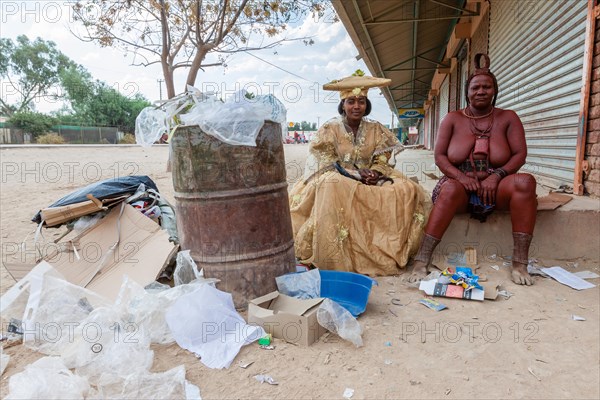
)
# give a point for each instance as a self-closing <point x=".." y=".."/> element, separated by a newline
<point x="434" y="288"/>
<point x="284" y="317"/>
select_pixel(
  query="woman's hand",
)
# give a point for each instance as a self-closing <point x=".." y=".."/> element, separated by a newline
<point x="369" y="176"/>
<point x="489" y="187"/>
<point x="469" y="183"/>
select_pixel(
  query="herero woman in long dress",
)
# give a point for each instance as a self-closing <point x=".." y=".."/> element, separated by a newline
<point x="352" y="210"/>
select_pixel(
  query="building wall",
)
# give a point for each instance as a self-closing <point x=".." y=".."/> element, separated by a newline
<point x="592" y="149"/>
<point x="479" y="41"/>
<point x="454" y="90"/>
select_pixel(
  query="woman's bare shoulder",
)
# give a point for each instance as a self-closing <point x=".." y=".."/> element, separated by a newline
<point x="505" y="114"/>
<point x="454" y="116"/>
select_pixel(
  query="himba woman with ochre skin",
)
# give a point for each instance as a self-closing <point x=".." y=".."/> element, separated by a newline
<point x="353" y="211"/>
<point x="479" y="150"/>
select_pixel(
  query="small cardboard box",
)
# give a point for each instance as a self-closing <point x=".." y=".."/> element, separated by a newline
<point x="287" y="318"/>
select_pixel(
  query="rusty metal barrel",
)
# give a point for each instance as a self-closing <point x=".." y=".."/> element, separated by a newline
<point x="232" y="209"/>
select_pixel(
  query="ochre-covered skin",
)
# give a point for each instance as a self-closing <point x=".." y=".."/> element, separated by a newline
<point x="507" y="150"/>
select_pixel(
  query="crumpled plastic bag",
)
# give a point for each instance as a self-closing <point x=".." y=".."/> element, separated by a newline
<point x="149" y="306"/>
<point x="47" y="378"/>
<point x="108" y="341"/>
<point x="338" y="320"/>
<point x="236" y="121"/>
<point x="14" y="302"/>
<point x="186" y="269"/>
<point x="4" y="359"/>
<point x="205" y="322"/>
<point x="170" y="384"/>
<point x="54" y="314"/>
<point x="150" y="124"/>
<point x="303" y="285"/>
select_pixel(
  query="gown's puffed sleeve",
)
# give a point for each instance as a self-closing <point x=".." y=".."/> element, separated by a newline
<point x="322" y="152"/>
<point x="322" y="147"/>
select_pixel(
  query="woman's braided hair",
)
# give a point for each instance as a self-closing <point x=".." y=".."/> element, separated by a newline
<point x="482" y="70"/>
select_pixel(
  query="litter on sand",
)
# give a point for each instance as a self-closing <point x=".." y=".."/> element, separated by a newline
<point x="577" y="318"/>
<point x="533" y="373"/>
<point x="434" y="305"/>
<point x="567" y="278"/>
<point x="266" y="378"/>
<point x="586" y="275"/>
<point x="348" y="393"/>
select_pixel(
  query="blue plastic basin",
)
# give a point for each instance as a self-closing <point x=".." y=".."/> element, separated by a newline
<point x="349" y="289"/>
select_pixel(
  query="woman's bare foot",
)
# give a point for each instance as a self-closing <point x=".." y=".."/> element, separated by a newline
<point x="419" y="272"/>
<point x="519" y="274"/>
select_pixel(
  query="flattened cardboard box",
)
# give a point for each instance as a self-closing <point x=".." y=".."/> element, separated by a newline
<point x="287" y="318"/>
<point x="142" y="253"/>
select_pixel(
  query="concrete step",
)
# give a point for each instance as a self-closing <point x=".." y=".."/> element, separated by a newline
<point x="572" y="231"/>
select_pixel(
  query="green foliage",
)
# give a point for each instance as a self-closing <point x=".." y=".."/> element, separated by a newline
<point x="304" y="126"/>
<point x="31" y="68"/>
<point x="95" y="103"/>
<point x="32" y="122"/>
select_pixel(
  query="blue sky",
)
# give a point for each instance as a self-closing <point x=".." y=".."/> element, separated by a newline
<point x="332" y="56"/>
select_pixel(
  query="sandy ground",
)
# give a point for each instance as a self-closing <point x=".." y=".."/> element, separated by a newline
<point x="525" y="347"/>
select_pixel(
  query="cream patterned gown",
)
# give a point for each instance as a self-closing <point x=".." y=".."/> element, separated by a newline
<point x="342" y="224"/>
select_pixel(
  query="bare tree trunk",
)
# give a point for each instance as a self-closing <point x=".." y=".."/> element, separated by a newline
<point x="169" y="82"/>
<point x="195" y="67"/>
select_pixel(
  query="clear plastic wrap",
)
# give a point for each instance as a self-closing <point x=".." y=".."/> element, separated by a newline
<point x="87" y="221"/>
<point x="108" y="345"/>
<point x="148" y="307"/>
<point x="14" y="302"/>
<point x="47" y="378"/>
<point x="55" y="312"/>
<point x="235" y="121"/>
<point x="186" y="269"/>
<point x="4" y="359"/>
<point x="107" y="341"/>
<point x="337" y="319"/>
<point x="170" y="384"/>
<point x="303" y="285"/>
<point x="150" y="125"/>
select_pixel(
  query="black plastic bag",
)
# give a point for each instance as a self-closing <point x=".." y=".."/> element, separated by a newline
<point x="106" y="189"/>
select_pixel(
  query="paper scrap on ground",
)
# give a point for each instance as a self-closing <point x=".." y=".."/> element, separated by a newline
<point x="266" y="378"/>
<point x="577" y="318"/>
<point x="586" y="275"/>
<point x="566" y="278"/>
<point x="434" y="305"/>
<point x="348" y="393"/>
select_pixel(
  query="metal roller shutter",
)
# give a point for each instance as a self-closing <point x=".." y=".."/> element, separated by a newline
<point x="537" y="51"/>
<point x="444" y="97"/>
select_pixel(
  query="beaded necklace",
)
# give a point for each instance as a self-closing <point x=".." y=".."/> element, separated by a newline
<point x="471" y="116"/>
<point x="474" y="128"/>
